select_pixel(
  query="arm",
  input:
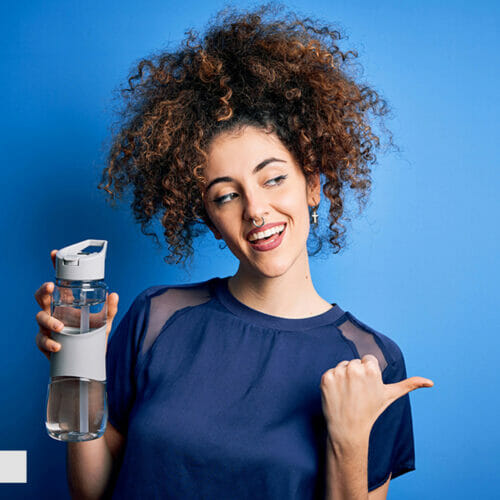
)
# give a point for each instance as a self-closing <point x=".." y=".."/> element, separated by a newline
<point x="92" y="465"/>
<point x="347" y="473"/>
<point x="380" y="493"/>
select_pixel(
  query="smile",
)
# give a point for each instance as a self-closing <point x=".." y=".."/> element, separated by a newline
<point x="268" y="239"/>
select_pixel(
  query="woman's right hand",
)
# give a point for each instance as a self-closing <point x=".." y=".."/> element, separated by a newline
<point x="47" y="323"/>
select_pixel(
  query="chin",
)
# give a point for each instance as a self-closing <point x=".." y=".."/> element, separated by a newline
<point x="272" y="270"/>
<point x="267" y="265"/>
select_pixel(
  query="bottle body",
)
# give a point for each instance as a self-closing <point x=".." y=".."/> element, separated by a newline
<point x="76" y="409"/>
<point x="76" y="395"/>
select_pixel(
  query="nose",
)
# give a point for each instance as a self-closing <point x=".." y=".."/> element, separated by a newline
<point x="255" y="206"/>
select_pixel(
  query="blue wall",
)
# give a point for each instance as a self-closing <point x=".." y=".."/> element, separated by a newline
<point x="421" y="261"/>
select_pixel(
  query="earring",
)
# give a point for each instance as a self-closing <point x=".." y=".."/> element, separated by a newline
<point x="314" y="216"/>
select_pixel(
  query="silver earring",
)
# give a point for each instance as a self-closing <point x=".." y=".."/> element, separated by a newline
<point x="314" y="216"/>
<point x="253" y="222"/>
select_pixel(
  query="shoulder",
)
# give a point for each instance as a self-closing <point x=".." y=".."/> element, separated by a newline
<point x="161" y="304"/>
<point x="368" y="340"/>
<point x="174" y="294"/>
<point x="155" y="304"/>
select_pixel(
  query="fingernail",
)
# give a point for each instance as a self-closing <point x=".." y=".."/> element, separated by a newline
<point x="58" y="324"/>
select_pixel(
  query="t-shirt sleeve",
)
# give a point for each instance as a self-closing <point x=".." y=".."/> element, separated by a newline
<point x="392" y="447"/>
<point x="121" y="359"/>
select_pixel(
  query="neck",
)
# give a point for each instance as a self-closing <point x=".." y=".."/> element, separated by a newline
<point x="289" y="295"/>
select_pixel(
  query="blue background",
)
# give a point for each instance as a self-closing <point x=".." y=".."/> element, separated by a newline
<point x="421" y="262"/>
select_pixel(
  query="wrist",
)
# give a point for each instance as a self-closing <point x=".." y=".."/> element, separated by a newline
<point x="350" y="445"/>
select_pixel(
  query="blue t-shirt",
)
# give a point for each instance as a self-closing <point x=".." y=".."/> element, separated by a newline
<point x="220" y="401"/>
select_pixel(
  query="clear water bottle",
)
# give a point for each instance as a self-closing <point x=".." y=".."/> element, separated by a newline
<point x="76" y="396"/>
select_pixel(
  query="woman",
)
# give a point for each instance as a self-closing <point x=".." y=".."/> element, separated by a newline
<point x="251" y="385"/>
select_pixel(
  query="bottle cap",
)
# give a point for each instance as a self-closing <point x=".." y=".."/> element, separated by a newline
<point x="83" y="261"/>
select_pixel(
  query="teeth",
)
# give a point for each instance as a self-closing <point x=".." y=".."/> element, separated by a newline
<point x="266" y="233"/>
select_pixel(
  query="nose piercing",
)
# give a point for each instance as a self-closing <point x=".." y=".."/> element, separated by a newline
<point x="253" y="222"/>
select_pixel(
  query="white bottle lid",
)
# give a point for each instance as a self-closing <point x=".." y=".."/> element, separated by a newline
<point x="83" y="261"/>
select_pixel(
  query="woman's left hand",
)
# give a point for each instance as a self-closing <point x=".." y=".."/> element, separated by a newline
<point x="353" y="396"/>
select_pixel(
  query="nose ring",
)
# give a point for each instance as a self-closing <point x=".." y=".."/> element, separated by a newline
<point x="253" y="222"/>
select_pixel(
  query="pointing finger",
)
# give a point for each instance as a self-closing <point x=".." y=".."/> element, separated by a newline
<point x="369" y="358"/>
<point x="43" y="296"/>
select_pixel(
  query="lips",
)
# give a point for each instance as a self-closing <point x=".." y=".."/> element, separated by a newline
<point x="263" y="228"/>
<point x="270" y="244"/>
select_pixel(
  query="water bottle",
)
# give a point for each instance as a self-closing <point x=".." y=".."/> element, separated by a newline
<point x="76" y="396"/>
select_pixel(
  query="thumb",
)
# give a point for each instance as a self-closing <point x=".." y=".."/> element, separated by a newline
<point x="395" y="391"/>
<point x="53" y="254"/>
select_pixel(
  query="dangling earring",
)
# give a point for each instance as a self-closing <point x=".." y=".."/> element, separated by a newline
<point x="314" y="216"/>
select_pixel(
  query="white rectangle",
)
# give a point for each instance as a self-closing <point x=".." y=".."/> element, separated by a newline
<point x="13" y="466"/>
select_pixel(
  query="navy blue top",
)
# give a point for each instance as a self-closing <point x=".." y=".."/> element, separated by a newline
<point x="226" y="403"/>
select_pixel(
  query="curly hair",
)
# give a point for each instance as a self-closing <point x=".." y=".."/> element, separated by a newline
<point x="284" y="74"/>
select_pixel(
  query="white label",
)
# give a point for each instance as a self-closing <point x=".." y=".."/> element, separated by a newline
<point x="13" y="466"/>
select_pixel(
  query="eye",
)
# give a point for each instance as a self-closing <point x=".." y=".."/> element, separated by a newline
<point x="224" y="199"/>
<point x="279" y="180"/>
<point x="228" y="197"/>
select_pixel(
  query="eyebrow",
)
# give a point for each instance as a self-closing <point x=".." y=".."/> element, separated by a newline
<point x="258" y="168"/>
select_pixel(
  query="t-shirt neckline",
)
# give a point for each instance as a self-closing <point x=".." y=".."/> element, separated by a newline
<point x="257" y="317"/>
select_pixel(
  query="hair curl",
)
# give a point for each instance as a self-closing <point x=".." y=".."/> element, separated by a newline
<point x="285" y="75"/>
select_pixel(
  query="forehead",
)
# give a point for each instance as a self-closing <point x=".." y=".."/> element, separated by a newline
<point x="244" y="150"/>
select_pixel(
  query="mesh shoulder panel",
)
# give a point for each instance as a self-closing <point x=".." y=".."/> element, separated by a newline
<point x="363" y="339"/>
<point x="166" y="304"/>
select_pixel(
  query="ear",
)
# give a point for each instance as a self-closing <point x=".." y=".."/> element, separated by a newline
<point x="314" y="190"/>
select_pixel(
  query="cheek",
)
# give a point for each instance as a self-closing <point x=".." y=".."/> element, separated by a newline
<point x="225" y="222"/>
<point x="295" y="205"/>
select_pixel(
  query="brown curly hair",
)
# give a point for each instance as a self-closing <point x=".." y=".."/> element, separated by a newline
<point x="284" y="75"/>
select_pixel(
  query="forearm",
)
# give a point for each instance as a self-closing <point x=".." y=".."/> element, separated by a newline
<point x="90" y="469"/>
<point x="347" y="470"/>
